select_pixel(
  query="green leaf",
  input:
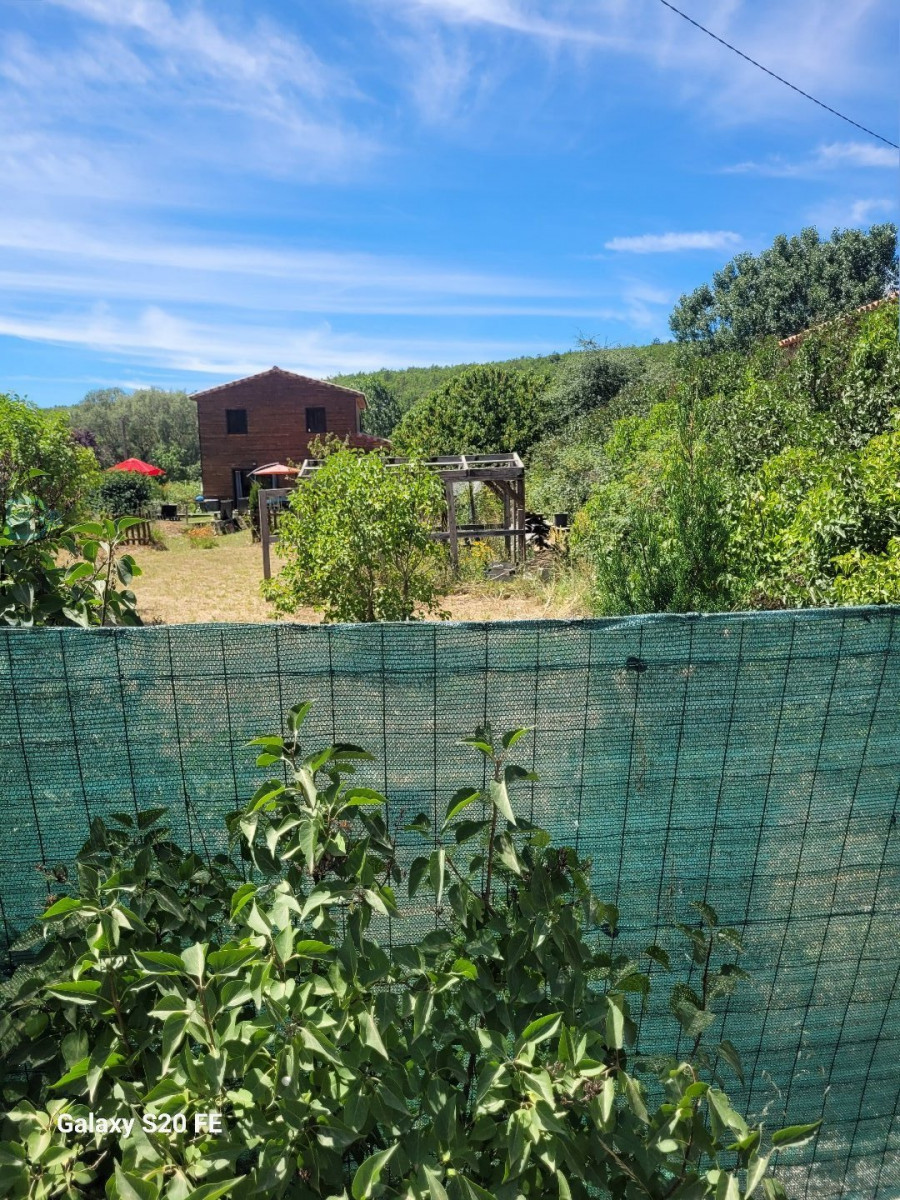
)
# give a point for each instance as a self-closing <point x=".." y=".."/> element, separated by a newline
<point x="773" y="1189"/>
<point x="79" y="991"/>
<point x="194" y="959"/>
<point x="129" y="1186"/>
<point x="213" y="1191"/>
<point x="756" y="1169"/>
<point x="436" y="866"/>
<point x="729" y="1052"/>
<point x="223" y="962"/>
<point x="707" y="912"/>
<point x="795" y="1135"/>
<point x="459" y="801"/>
<point x="479" y="744"/>
<point x="464" y="967"/>
<point x="368" y="1174"/>
<point x="78" y="1071"/>
<point x="362" y="795"/>
<point x="417" y="870"/>
<point x="510" y="739"/>
<point x="658" y="954"/>
<point x="297" y="715"/>
<point x="500" y="800"/>
<point x="62" y="907"/>
<point x="312" y="949"/>
<point x="635" y="1098"/>
<point x="371" y="1036"/>
<point x="469" y="829"/>
<point x="541" y="1029"/>
<point x="436" y="1189"/>
<point x="472" y="1191"/>
<point x="685" y="1004"/>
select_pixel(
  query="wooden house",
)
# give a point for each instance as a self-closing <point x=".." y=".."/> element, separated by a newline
<point x="269" y="417"/>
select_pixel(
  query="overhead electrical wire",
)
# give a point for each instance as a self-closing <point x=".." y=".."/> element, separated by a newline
<point x="787" y="83"/>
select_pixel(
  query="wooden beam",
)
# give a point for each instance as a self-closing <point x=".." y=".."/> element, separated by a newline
<point x="451" y="524"/>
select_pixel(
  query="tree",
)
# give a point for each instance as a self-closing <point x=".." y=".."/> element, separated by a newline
<point x="36" y="440"/>
<point x="150" y="423"/>
<point x="357" y="540"/>
<point x="789" y="287"/>
<point x="382" y="412"/>
<point x="484" y="410"/>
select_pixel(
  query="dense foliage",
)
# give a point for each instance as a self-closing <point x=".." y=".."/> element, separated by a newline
<point x="50" y="575"/>
<point x="484" y="410"/>
<point x="488" y="1055"/>
<point x="790" y="286"/>
<point x="356" y="540"/>
<point x="125" y="493"/>
<point x="37" y="449"/>
<point x="763" y="480"/>
<point x="155" y="425"/>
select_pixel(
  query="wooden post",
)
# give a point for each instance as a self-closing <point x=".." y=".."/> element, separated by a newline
<point x="520" y="517"/>
<point x="507" y="541"/>
<point x="472" y="503"/>
<point x="451" y="524"/>
<point x="264" y="533"/>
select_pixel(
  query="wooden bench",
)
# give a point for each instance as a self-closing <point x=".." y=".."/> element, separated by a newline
<point x="139" y="535"/>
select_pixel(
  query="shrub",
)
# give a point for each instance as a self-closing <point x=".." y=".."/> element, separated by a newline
<point x="37" y="588"/>
<point x="488" y="1058"/>
<point x="39" y="455"/>
<point x="356" y="539"/>
<point x="125" y="493"/>
<point x="485" y="410"/>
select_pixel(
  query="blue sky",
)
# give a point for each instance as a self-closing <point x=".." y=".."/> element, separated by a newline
<point x="194" y="191"/>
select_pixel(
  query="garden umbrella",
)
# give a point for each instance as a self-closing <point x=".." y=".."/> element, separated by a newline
<point x="276" y="469"/>
<point x="138" y="466"/>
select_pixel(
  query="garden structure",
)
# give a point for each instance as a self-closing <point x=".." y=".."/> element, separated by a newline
<point x="502" y="473"/>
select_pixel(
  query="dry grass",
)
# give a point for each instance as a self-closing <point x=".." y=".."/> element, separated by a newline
<point x="185" y="584"/>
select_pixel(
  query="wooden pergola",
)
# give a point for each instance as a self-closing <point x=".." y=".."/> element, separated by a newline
<point x="503" y="474"/>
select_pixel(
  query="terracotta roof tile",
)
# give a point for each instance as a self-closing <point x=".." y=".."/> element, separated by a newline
<point x="796" y="338"/>
<point x="221" y="387"/>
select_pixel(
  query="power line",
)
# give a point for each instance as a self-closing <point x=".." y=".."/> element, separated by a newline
<point x="787" y="83"/>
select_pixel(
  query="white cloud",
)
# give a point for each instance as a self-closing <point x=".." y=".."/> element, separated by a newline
<point x="858" y="154"/>
<point x="830" y="157"/>
<point x="157" y="338"/>
<point x="666" y="243"/>
<point x="862" y="211"/>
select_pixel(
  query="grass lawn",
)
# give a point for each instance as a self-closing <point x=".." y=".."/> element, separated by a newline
<point x="184" y="584"/>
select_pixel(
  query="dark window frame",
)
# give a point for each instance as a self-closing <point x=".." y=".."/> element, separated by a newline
<point x="235" y="416"/>
<point x="312" y="423"/>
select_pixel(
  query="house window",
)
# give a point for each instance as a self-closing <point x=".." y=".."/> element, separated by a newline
<point x="236" y="420"/>
<point x="315" y="420"/>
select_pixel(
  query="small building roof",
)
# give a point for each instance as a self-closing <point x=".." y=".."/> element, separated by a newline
<point x="796" y="338"/>
<point x="279" y="371"/>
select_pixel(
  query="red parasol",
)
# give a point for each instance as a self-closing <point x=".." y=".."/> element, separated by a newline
<point x="138" y="466"/>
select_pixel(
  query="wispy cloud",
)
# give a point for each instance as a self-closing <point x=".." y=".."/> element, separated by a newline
<point x="830" y="157"/>
<point x="668" y="243"/>
<point x="157" y="338"/>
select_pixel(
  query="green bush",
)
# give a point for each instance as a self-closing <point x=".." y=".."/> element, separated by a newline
<point x="356" y="540"/>
<point x="486" y="1056"/>
<point x="125" y="493"/>
<point x="39" y="587"/>
<point x="485" y="410"/>
<point x="38" y="454"/>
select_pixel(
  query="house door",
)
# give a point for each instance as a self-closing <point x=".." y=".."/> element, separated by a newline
<point x="242" y="483"/>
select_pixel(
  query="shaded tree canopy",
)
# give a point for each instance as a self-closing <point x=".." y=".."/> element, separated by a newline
<point x="787" y="288"/>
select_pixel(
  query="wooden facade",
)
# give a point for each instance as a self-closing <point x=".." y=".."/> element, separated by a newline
<point x="266" y="418"/>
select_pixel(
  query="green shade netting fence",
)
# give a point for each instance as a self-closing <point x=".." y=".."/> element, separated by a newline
<point x="748" y="760"/>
